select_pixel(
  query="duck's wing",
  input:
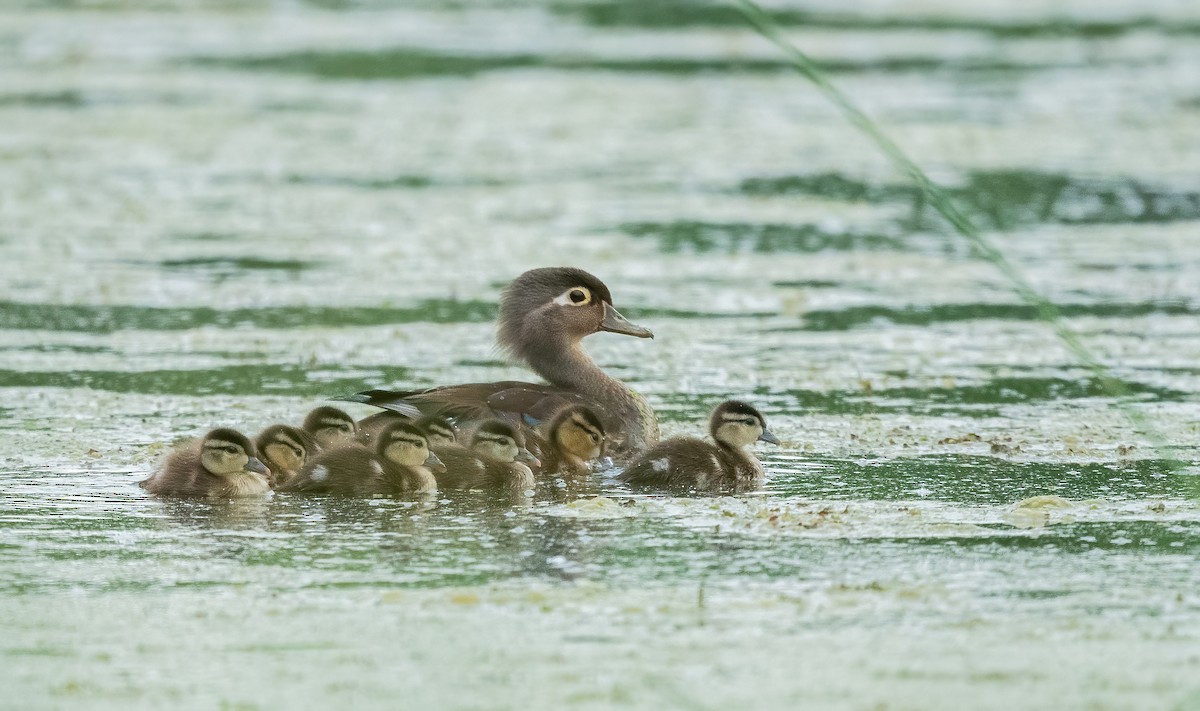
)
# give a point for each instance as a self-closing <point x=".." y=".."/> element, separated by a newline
<point x="507" y="399"/>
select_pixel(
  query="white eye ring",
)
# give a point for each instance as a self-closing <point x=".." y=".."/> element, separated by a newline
<point x="575" y="296"/>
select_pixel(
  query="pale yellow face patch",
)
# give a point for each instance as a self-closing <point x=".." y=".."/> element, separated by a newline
<point x="284" y="455"/>
<point x="223" y="458"/>
<point x="333" y="432"/>
<point x="497" y="447"/>
<point x="407" y="450"/>
<point x="579" y="439"/>
<point x="739" y="430"/>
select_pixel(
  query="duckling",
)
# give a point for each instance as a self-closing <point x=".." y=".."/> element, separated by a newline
<point x="399" y="464"/>
<point x="573" y="438"/>
<point x="688" y="463"/>
<point x="496" y="459"/>
<point x="222" y="464"/>
<point x="440" y="431"/>
<point x="284" y="449"/>
<point x="330" y="426"/>
<point x="544" y="316"/>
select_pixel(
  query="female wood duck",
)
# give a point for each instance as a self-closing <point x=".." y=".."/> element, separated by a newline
<point x="222" y="464"/>
<point x="400" y="464"/>
<point x="687" y="463"/>
<point x="573" y="438"/>
<point x="544" y="316"/>
<point x="497" y="459"/>
<point x="285" y="449"/>
<point x="330" y="426"/>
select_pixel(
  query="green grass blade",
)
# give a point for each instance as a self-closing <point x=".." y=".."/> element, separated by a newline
<point x="1046" y="310"/>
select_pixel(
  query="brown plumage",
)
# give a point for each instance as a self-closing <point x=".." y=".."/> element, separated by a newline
<point x="544" y="316"/>
<point x="574" y="437"/>
<point x="692" y="464"/>
<point x="330" y="427"/>
<point x="399" y="464"/>
<point x="221" y="464"/>
<point x="284" y="449"/>
<point x="496" y="460"/>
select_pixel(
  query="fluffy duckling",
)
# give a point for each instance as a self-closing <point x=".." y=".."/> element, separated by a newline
<point x="544" y="316"/>
<point x="222" y="464"/>
<point x="330" y="426"/>
<point x="285" y="449"/>
<point x="440" y="431"/>
<point x="496" y="459"/>
<point x="573" y="438"/>
<point x="400" y="464"/>
<point x="688" y="463"/>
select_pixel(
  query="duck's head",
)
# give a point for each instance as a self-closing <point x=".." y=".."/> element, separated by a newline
<point x="738" y="424"/>
<point x="225" y="452"/>
<point x="439" y="431"/>
<point x="502" y="442"/>
<point x="330" y="426"/>
<point x="549" y="306"/>
<point x="577" y="431"/>
<point x="285" y="448"/>
<point x="405" y="444"/>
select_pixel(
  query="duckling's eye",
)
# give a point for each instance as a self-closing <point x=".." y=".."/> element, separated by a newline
<point x="230" y="450"/>
<point x="595" y="438"/>
<point x="344" y="427"/>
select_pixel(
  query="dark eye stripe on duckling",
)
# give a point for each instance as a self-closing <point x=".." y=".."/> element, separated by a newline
<point x="335" y="423"/>
<point x="288" y="442"/>
<point x="587" y="427"/>
<point x="493" y="438"/>
<point x="413" y="441"/>
<point x="741" y="420"/>
<point x="231" y="447"/>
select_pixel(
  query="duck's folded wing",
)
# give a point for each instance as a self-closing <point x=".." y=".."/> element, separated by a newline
<point x="472" y="401"/>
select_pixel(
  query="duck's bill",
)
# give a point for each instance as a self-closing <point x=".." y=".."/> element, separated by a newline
<point x="768" y="437"/>
<point x="614" y="322"/>
<point x="524" y="455"/>
<point x="256" y="466"/>
<point x="433" y="463"/>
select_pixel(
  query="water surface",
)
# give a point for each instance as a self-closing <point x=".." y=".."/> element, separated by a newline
<point x="222" y="216"/>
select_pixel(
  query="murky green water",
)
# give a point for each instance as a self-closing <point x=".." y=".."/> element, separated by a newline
<point x="221" y="214"/>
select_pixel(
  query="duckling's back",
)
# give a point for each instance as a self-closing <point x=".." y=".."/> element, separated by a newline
<point x="691" y="464"/>
<point x="181" y="475"/>
<point x="350" y="470"/>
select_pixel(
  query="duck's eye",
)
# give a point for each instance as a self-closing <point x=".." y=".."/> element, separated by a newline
<point x="595" y="438"/>
<point x="230" y="450"/>
<point x="578" y="296"/>
<point x="344" y="427"/>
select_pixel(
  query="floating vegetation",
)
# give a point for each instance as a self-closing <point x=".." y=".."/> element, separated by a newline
<point x="855" y="316"/>
<point x="248" y="380"/>
<point x="673" y="14"/>
<point x="410" y="63"/>
<point x="106" y="319"/>
<point x="700" y="237"/>
<point x="236" y="264"/>
<point x="48" y="100"/>
<point x="397" y="182"/>
<point x="972" y="479"/>
<point x="1008" y="199"/>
